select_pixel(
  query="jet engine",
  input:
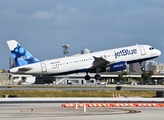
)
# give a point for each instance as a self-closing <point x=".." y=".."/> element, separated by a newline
<point x="117" y="66"/>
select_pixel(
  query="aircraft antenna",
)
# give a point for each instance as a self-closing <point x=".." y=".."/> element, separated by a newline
<point x="65" y="51"/>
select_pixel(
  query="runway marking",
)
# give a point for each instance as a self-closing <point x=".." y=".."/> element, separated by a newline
<point x="59" y="111"/>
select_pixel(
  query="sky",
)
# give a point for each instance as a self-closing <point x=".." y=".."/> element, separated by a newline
<point x="43" y="26"/>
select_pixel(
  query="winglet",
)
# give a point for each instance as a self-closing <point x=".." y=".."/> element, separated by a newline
<point x="20" y="55"/>
<point x="94" y="57"/>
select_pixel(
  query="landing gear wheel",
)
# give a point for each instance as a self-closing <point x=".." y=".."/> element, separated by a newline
<point x="142" y="69"/>
<point x="87" y="77"/>
<point x="97" y="77"/>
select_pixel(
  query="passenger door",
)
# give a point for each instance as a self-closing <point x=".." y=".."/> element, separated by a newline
<point x="142" y="50"/>
<point x="43" y="67"/>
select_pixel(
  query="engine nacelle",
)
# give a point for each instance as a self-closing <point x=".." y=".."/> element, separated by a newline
<point x="117" y="66"/>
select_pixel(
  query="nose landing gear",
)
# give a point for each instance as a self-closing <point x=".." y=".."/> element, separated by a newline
<point x="142" y="68"/>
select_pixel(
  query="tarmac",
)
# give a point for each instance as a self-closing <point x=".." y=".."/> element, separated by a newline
<point x="51" y="111"/>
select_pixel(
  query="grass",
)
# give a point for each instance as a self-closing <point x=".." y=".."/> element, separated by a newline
<point x="60" y="86"/>
<point x="63" y="93"/>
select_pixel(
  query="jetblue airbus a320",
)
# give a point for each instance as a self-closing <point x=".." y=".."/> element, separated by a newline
<point x="96" y="62"/>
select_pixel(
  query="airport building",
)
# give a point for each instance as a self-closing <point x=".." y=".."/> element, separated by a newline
<point x="77" y="79"/>
<point x="85" y="51"/>
<point x="154" y="66"/>
<point x="135" y="67"/>
<point x="12" y="63"/>
<point x="5" y="78"/>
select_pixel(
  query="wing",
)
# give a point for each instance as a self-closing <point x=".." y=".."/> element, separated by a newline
<point x="99" y="62"/>
<point x="111" y="65"/>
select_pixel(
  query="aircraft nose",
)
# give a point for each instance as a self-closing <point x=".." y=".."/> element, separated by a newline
<point x="158" y="52"/>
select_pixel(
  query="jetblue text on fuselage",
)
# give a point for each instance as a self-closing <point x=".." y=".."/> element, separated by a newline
<point x="125" y="52"/>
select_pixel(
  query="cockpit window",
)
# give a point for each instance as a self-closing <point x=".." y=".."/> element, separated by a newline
<point x="151" y="48"/>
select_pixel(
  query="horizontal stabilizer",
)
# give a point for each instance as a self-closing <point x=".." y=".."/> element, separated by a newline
<point x="24" y="69"/>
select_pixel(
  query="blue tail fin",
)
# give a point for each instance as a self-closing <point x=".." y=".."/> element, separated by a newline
<point x="20" y="55"/>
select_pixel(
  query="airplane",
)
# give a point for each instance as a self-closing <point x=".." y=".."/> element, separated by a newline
<point x="108" y="60"/>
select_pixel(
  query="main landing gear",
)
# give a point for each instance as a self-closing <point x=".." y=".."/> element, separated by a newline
<point x="87" y="77"/>
<point x="97" y="77"/>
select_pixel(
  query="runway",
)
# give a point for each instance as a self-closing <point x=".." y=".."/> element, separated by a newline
<point x="83" y="88"/>
<point x="51" y="111"/>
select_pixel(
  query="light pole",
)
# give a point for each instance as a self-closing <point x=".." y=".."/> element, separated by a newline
<point x="65" y="51"/>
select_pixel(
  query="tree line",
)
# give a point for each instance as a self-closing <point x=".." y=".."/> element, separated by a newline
<point x="145" y="77"/>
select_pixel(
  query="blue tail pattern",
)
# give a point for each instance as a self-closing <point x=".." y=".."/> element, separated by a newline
<point x="22" y="56"/>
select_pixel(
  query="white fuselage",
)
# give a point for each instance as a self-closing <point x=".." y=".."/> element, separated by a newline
<point x="72" y="64"/>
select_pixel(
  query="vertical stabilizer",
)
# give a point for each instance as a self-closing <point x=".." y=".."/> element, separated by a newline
<point x="20" y="55"/>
